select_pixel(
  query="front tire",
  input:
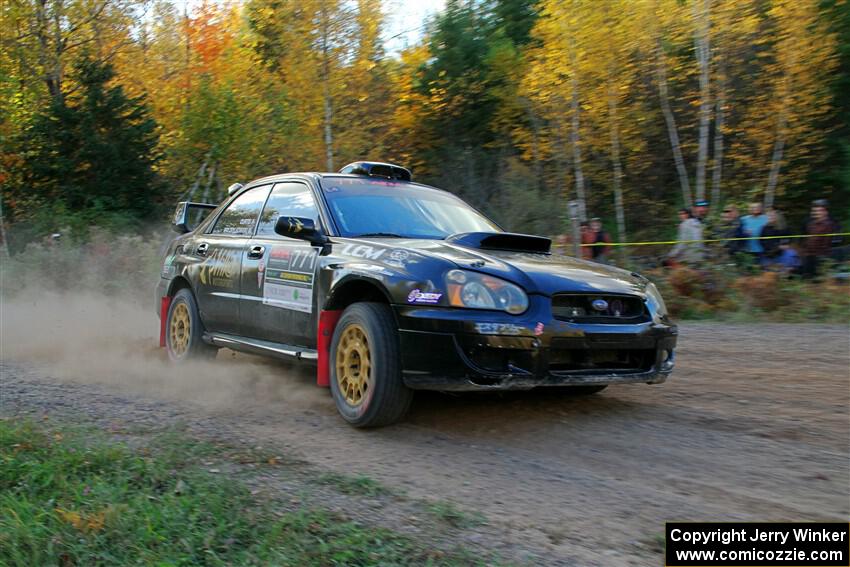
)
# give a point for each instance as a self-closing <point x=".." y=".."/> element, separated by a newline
<point x="365" y="365"/>
<point x="184" y="330"/>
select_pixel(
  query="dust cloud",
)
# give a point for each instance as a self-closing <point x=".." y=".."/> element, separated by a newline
<point x="84" y="337"/>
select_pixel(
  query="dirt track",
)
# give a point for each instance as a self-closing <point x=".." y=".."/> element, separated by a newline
<point x="753" y="425"/>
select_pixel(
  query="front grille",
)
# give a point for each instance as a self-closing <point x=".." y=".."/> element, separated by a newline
<point x="599" y="308"/>
<point x="600" y="360"/>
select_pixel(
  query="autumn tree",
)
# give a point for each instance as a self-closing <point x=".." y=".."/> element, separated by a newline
<point x="93" y="151"/>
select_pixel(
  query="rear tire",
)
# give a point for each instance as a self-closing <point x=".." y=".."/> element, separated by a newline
<point x="365" y="365"/>
<point x="184" y="330"/>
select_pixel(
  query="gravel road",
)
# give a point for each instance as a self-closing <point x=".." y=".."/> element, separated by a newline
<point x="753" y="425"/>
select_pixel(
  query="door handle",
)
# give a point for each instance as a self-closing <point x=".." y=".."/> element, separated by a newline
<point x="256" y="252"/>
<point x="202" y="249"/>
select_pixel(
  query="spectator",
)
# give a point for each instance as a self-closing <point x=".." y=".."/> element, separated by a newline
<point x="562" y="244"/>
<point x="701" y="210"/>
<point x="701" y="213"/>
<point x="775" y="227"/>
<point x="689" y="229"/>
<point x="587" y="237"/>
<point x="730" y="227"/>
<point x="788" y="259"/>
<point x="600" y="252"/>
<point x="752" y="225"/>
<point x="818" y="247"/>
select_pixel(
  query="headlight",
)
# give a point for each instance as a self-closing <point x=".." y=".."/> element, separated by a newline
<point x="654" y="297"/>
<point x="477" y="291"/>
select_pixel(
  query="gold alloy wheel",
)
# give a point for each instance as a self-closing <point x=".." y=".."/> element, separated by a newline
<point x="353" y="365"/>
<point x="180" y="329"/>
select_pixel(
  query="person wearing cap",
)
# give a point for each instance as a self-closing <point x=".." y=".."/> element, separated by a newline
<point x="701" y="210"/>
<point x="818" y="247"/>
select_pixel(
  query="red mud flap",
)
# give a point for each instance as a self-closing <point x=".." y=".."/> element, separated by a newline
<point x="327" y="324"/>
<point x="164" y="304"/>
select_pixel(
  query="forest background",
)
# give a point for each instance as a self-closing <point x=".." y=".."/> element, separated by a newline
<point x="112" y="110"/>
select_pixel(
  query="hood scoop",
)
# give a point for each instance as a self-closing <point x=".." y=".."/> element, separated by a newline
<point x="507" y="241"/>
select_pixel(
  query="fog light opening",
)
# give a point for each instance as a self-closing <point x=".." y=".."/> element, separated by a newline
<point x="667" y="358"/>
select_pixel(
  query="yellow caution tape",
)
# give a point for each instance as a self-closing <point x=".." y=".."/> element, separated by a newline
<point x="713" y="240"/>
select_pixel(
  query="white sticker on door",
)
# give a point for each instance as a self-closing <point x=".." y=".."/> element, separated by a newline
<point x="289" y="278"/>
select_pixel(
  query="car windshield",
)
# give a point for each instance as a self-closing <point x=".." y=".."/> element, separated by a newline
<point x="374" y="207"/>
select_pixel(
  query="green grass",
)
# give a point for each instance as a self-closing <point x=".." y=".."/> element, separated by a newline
<point x="76" y="498"/>
<point x="355" y="485"/>
<point x="454" y="516"/>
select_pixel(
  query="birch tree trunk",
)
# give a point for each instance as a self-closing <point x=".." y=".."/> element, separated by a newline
<point x="717" y="162"/>
<point x="672" y="130"/>
<point x="575" y="136"/>
<point x="703" y="52"/>
<point x="776" y="160"/>
<point x="574" y="142"/>
<point x="326" y="94"/>
<point x="618" y="169"/>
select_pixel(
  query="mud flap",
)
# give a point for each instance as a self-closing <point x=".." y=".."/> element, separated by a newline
<point x="164" y="304"/>
<point x="327" y="323"/>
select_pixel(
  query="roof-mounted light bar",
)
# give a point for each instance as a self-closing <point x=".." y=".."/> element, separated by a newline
<point x="378" y="169"/>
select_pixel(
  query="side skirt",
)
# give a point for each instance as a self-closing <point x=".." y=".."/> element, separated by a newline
<point x="256" y="346"/>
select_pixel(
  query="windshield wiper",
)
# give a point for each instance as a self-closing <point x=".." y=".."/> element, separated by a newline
<point x="383" y="234"/>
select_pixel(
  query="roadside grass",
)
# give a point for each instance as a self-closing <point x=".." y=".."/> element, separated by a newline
<point x="453" y="516"/>
<point x="72" y="497"/>
<point x="357" y="485"/>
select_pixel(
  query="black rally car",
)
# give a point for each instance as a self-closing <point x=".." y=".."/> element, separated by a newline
<point x="392" y="286"/>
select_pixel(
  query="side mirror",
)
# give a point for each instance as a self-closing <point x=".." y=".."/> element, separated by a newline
<point x="301" y="228"/>
<point x="188" y="215"/>
<point x="234" y="188"/>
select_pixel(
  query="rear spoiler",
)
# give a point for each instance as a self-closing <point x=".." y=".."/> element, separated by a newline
<point x="184" y="220"/>
<point x="507" y="241"/>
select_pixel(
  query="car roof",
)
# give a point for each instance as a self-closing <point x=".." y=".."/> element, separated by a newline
<point x="316" y="175"/>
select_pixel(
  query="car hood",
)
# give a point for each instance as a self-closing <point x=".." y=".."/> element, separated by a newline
<point x="536" y="272"/>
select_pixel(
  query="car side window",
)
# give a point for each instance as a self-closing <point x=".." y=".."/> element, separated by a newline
<point x="287" y="199"/>
<point x="240" y="217"/>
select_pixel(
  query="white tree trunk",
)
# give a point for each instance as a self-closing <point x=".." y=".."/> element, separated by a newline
<point x="776" y="160"/>
<point x="703" y="55"/>
<point x="614" y="124"/>
<point x="574" y="142"/>
<point x="672" y="130"/>
<point x="717" y="166"/>
<point x="326" y="83"/>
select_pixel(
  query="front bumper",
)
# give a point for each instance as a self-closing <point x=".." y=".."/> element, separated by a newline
<point x="461" y="349"/>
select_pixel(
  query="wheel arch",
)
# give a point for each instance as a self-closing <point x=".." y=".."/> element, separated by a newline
<point x="354" y="289"/>
<point x="177" y="284"/>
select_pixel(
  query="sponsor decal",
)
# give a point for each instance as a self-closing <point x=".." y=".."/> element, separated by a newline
<point x="398" y="258"/>
<point x="220" y="268"/>
<point x="419" y="296"/>
<point x="538" y="329"/>
<point x="363" y="251"/>
<point x="168" y="267"/>
<point x="498" y="329"/>
<point x="288" y="278"/>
